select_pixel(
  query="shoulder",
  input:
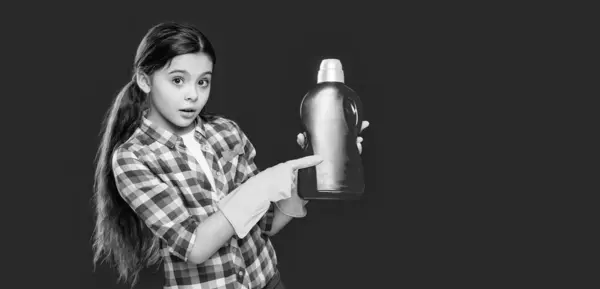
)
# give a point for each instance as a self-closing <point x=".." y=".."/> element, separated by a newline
<point x="225" y="125"/>
<point x="136" y="149"/>
<point x="126" y="153"/>
<point x="228" y="134"/>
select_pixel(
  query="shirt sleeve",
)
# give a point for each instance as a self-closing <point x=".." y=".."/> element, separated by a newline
<point x="156" y="203"/>
<point x="249" y="170"/>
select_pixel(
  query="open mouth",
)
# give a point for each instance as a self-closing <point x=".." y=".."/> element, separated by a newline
<point x="187" y="110"/>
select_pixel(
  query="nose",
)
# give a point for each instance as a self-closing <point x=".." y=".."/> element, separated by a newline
<point x="191" y="94"/>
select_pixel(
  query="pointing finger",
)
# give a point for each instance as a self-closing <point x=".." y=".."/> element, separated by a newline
<point x="305" y="162"/>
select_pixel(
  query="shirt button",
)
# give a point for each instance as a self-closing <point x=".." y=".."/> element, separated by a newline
<point x="218" y="174"/>
<point x="241" y="274"/>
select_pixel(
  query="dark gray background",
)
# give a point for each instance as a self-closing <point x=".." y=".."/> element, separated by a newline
<point x="447" y="89"/>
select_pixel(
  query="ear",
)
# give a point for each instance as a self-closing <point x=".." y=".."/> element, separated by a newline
<point x="143" y="82"/>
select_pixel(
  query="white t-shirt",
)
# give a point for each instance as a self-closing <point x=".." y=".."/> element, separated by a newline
<point x="196" y="151"/>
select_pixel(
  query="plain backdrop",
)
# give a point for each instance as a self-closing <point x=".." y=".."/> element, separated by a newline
<point x="445" y="88"/>
<point x="265" y="64"/>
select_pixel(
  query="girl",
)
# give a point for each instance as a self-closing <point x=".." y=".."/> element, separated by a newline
<point x="174" y="183"/>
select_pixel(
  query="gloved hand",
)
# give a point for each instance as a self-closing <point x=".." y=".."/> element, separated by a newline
<point x="295" y="206"/>
<point x="245" y="206"/>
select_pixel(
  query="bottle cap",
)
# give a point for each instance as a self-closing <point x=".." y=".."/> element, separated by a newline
<point x="330" y="70"/>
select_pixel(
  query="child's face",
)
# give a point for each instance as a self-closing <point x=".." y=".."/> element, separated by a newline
<point x="179" y="91"/>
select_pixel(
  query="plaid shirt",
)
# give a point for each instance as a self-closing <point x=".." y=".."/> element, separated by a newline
<point x="160" y="179"/>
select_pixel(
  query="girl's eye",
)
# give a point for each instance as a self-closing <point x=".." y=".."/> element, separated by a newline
<point x="178" y="80"/>
<point x="204" y="82"/>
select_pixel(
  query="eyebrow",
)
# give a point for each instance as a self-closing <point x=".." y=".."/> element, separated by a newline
<point x="185" y="72"/>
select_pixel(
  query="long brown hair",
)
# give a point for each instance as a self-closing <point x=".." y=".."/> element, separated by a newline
<point x="120" y="237"/>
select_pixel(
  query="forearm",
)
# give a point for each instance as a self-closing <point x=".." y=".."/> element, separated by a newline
<point x="211" y="234"/>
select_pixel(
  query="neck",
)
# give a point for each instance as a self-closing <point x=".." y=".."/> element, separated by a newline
<point x="191" y="127"/>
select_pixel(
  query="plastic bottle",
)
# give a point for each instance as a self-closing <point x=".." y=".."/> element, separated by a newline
<point x="331" y="116"/>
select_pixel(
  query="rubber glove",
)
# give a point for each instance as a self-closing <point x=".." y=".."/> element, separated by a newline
<point x="245" y="205"/>
<point x="294" y="206"/>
